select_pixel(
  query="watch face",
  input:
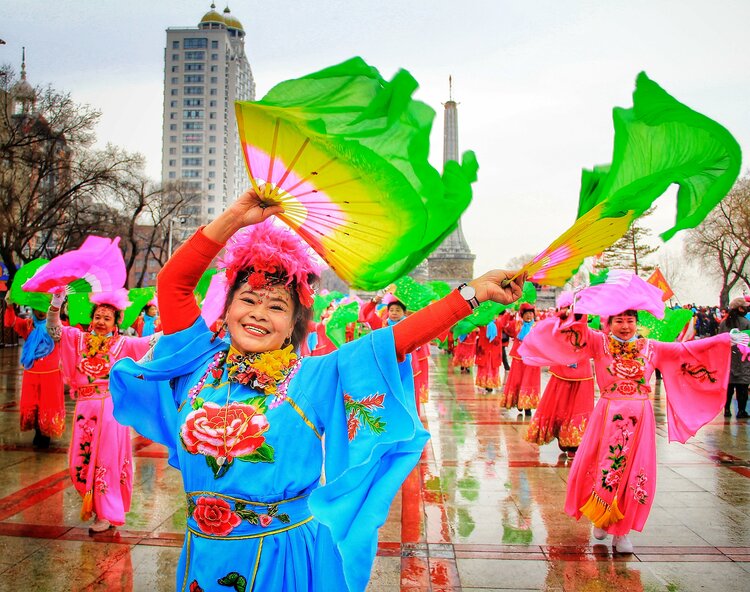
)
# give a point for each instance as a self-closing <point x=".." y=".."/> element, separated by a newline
<point x="468" y="292"/>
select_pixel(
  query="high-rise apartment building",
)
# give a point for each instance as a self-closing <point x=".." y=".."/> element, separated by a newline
<point x="205" y="72"/>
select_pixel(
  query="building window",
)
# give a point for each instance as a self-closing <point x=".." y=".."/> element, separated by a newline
<point x="212" y="104"/>
<point x="214" y="56"/>
<point x="175" y="57"/>
<point x="214" y="68"/>
<point x="172" y="163"/>
<point x="214" y="80"/>
<point x="195" y="55"/>
<point x="193" y="113"/>
<point x="194" y="67"/>
<point x="194" y="161"/>
<point x="195" y="43"/>
<point x="173" y="103"/>
<point x="214" y="44"/>
<point x="212" y="162"/>
<point x="192" y="125"/>
<point x="192" y="137"/>
<point x="173" y="116"/>
<point x="212" y="115"/>
<point x="193" y="90"/>
<point x="175" y="45"/>
<point x="175" y="79"/>
<point x="210" y="210"/>
<point x="192" y="149"/>
<point x="172" y="138"/>
<point x="174" y="92"/>
<point x="192" y="102"/>
<point x="192" y="78"/>
<point x="213" y="92"/>
<point x="175" y="69"/>
<point x="173" y="150"/>
<point x="172" y="127"/>
<point x="212" y="138"/>
<point x="190" y="174"/>
<point x="172" y="175"/>
<point x="212" y="127"/>
<point x="212" y="150"/>
<point x="211" y="174"/>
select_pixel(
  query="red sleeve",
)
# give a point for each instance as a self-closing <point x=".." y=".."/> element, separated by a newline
<point x="428" y="323"/>
<point x="369" y="316"/>
<point x="20" y="326"/>
<point x="179" y="277"/>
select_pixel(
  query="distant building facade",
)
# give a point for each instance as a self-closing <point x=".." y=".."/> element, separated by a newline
<point x="205" y="72"/>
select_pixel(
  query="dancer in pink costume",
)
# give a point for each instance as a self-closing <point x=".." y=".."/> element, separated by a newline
<point x="524" y="382"/>
<point x="612" y="479"/>
<point x="101" y="458"/>
<point x="568" y="398"/>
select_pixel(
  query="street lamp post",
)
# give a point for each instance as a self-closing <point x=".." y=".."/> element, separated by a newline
<point x="181" y="220"/>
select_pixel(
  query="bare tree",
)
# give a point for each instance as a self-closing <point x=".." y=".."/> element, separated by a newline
<point x="722" y="241"/>
<point x="52" y="182"/>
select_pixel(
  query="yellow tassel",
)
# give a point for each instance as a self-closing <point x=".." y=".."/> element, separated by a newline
<point x="87" y="508"/>
<point x="600" y="512"/>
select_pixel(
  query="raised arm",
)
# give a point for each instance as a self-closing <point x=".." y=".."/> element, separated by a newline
<point x="179" y="277"/>
<point x="438" y="317"/>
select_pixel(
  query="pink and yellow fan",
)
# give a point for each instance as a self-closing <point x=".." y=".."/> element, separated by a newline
<point x="345" y="152"/>
<point x="96" y="266"/>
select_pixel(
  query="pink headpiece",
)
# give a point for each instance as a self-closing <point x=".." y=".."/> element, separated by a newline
<point x="622" y="290"/>
<point x="389" y="299"/>
<point x="116" y="298"/>
<point x="270" y="254"/>
<point x="565" y="299"/>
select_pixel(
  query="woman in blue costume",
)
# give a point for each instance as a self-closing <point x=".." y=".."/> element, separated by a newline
<point x="289" y="466"/>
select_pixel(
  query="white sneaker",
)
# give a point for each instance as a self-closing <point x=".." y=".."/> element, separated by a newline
<point x="622" y="544"/>
<point x="100" y="526"/>
<point x="599" y="533"/>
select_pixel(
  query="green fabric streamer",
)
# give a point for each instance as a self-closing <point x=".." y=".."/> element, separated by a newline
<point x="36" y="300"/>
<point x="341" y="317"/>
<point x="486" y="312"/>
<point x="202" y="288"/>
<point x="660" y="141"/>
<point x="413" y="294"/>
<point x="666" y="329"/>
<point x="321" y="302"/>
<point x="598" y="278"/>
<point x="595" y="322"/>
<point x="79" y="308"/>
<point x="139" y="297"/>
<point x="442" y="289"/>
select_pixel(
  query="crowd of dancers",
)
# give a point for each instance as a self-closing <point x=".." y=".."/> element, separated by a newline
<point x="253" y="410"/>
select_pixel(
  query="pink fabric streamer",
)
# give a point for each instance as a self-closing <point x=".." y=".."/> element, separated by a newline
<point x="622" y="291"/>
<point x="565" y="299"/>
<point x="98" y="261"/>
<point x="216" y="298"/>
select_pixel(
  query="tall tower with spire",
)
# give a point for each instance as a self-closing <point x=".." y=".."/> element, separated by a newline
<point x="452" y="261"/>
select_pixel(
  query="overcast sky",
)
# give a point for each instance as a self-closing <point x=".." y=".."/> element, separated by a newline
<point x="536" y="81"/>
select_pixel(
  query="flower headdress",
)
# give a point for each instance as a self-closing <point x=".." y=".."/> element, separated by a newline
<point x="268" y="254"/>
<point x="117" y="299"/>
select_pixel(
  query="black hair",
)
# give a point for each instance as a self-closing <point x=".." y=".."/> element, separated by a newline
<point x="397" y="303"/>
<point x="628" y="313"/>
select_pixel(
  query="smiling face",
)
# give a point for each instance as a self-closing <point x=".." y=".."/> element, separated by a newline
<point x="623" y="326"/>
<point x="260" y="320"/>
<point x="528" y="316"/>
<point x="103" y="320"/>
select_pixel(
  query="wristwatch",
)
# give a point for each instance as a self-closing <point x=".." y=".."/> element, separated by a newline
<point x="469" y="294"/>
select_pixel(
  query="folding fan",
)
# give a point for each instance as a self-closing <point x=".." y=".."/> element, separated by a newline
<point x="36" y="300"/>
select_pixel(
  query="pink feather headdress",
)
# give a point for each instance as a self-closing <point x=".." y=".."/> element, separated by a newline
<point x="271" y="254"/>
<point x="116" y="298"/>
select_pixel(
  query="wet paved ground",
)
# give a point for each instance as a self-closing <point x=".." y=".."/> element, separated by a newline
<point x="482" y="511"/>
